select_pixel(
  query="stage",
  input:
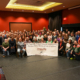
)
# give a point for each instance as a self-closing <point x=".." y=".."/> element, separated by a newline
<point x="40" y="68"/>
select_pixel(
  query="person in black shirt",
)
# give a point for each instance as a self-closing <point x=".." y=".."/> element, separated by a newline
<point x="45" y="37"/>
<point x="31" y="38"/>
<point x="12" y="45"/>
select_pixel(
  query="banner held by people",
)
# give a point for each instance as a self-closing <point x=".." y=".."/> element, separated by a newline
<point x="42" y="49"/>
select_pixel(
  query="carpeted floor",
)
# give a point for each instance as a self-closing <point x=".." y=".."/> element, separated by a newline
<point x="40" y="68"/>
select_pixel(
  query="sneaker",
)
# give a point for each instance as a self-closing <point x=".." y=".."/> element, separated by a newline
<point x="74" y="58"/>
<point x="71" y="58"/>
<point x="3" y="56"/>
<point x="67" y="57"/>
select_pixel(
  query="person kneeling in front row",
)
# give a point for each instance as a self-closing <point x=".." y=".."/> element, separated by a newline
<point x="75" y="51"/>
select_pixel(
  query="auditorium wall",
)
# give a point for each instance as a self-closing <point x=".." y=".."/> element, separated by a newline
<point x="71" y="19"/>
<point x="38" y="20"/>
<point x="71" y="16"/>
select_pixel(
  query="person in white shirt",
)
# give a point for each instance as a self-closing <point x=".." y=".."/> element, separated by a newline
<point x="72" y="37"/>
<point x="50" y="36"/>
<point x="39" y="37"/>
<point x="20" y="47"/>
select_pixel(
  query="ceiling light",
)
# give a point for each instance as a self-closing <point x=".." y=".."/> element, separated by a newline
<point x="22" y="10"/>
<point x="11" y="9"/>
<point x="14" y="3"/>
<point x="43" y="7"/>
<point x="32" y="11"/>
<point x="74" y="7"/>
<point x="63" y="6"/>
<point x="52" y="9"/>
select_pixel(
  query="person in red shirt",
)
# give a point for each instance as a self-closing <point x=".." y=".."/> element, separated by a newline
<point x="61" y="47"/>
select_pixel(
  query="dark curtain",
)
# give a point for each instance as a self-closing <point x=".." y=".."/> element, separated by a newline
<point x="55" y="20"/>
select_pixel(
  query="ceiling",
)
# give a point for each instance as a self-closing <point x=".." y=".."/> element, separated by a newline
<point x="65" y="4"/>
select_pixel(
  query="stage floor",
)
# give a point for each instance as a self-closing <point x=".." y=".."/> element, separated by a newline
<point x="40" y="68"/>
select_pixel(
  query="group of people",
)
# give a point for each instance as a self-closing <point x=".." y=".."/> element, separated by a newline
<point x="15" y="42"/>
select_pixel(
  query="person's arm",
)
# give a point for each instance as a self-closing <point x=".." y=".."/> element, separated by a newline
<point x="72" y="50"/>
<point x="66" y="47"/>
<point x="7" y="47"/>
<point x="3" y="46"/>
<point x="79" y="51"/>
<point x="61" y="48"/>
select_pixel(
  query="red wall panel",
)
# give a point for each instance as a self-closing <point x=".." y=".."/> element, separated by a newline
<point x="72" y="16"/>
<point x="38" y="20"/>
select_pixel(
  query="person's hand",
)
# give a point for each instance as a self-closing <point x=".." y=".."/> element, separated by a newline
<point x="11" y="47"/>
<point x="71" y="52"/>
<point x="59" y="49"/>
<point x="66" y="51"/>
<point x="5" y="49"/>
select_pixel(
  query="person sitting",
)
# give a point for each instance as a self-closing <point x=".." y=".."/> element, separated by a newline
<point x="5" y="46"/>
<point x="54" y="36"/>
<point x="35" y="36"/>
<point x="55" y="41"/>
<point x="61" y="47"/>
<point x="39" y="37"/>
<point x="20" y="47"/>
<point x="59" y="37"/>
<point x="27" y="40"/>
<point x="65" y="38"/>
<point x="78" y="35"/>
<point x="35" y="40"/>
<point x="68" y="48"/>
<point x="50" y="35"/>
<point x="12" y="45"/>
<point x="74" y="50"/>
<point x="49" y="40"/>
<point x="45" y="37"/>
<point x="79" y="42"/>
<point x="42" y="40"/>
<point x="31" y="38"/>
<point x="72" y="37"/>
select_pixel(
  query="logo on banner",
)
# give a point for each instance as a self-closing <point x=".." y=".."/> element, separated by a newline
<point x="41" y="49"/>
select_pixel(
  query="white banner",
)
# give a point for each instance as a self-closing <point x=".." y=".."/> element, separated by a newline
<point x="47" y="49"/>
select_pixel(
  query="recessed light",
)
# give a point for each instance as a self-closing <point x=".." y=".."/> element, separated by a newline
<point x="14" y="3"/>
<point x="22" y="10"/>
<point x="11" y="9"/>
<point x="52" y="9"/>
<point x="63" y="6"/>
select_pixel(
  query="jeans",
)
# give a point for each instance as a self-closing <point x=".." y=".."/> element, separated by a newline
<point x="5" y="52"/>
<point x="68" y="53"/>
<point x="23" y="51"/>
